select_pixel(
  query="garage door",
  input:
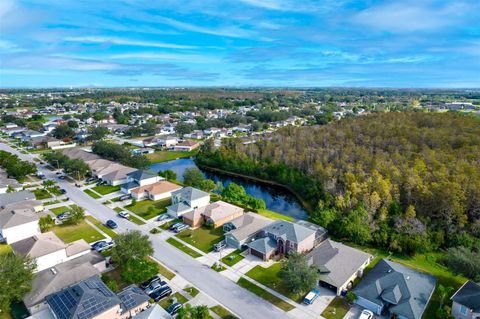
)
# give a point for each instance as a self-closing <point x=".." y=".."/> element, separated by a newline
<point x="256" y="253"/>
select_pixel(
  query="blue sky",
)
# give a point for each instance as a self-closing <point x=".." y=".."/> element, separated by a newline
<point x="79" y="43"/>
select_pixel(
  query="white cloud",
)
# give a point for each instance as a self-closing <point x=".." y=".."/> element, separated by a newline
<point x="9" y="47"/>
<point x="193" y="58"/>
<point x="120" y="41"/>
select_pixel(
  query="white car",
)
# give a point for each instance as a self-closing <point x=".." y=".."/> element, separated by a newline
<point x="366" y="314"/>
<point x="124" y="214"/>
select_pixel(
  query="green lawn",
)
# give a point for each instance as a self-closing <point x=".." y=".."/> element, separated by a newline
<point x="222" y="312"/>
<point x="202" y="238"/>
<point x="262" y="293"/>
<point x="165" y="156"/>
<point x="192" y="291"/>
<point x="55" y="190"/>
<point x="337" y="309"/>
<point x="273" y="215"/>
<point x="70" y="233"/>
<point x="118" y="209"/>
<point x="148" y="209"/>
<point x="106" y="189"/>
<point x="58" y="210"/>
<point x="92" y="194"/>
<point x="51" y="202"/>
<point x="162" y="270"/>
<point x="270" y="277"/>
<point x="4" y="249"/>
<point x="136" y="220"/>
<point x="105" y="229"/>
<point x="164" y="303"/>
<point x="41" y="193"/>
<point x="183" y="248"/>
<point x="232" y="258"/>
<point x="218" y="268"/>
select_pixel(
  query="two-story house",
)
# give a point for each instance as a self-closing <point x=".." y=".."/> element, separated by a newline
<point x="466" y="301"/>
<point x="186" y="200"/>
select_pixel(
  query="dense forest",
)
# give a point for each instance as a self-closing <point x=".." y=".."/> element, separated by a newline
<point x="408" y="182"/>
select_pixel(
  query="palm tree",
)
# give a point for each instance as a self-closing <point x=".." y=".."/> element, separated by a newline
<point x="189" y="312"/>
<point x="48" y="183"/>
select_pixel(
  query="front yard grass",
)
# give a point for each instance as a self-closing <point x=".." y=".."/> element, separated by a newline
<point x="58" y="210"/>
<point x="148" y="209"/>
<point x="136" y="220"/>
<point x="167" y="225"/>
<point x="92" y="194"/>
<point x="165" y="302"/>
<point x="41" y="193"/>
<point x="274" y="215"/>
<point x="192" y="291"/>
<point x="55" y="190"/>
<point x="222" y="312"/>
<point x="70" y="233"/>
<point x="232" y="258"/>
<point x="165" y="156"/>
<point x="182" y="247"/>
<point x="162" y="270"/>
<point x="106" y="189"/>
<point x="262" y="293"/>
<point x="337" y="309"/>
<point x="202" y="238"/>
<point x="102" y="227"/>
<point x="270" y="277"/>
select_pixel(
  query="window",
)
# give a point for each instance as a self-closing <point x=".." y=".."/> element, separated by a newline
<point x="463" y="309"/>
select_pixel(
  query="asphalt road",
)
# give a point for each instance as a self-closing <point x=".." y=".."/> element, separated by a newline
<point x="241" y="301"/>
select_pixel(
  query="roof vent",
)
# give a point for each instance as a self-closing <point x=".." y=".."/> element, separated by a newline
<point x="53" y="270"/>
<point x="408" y="277"/>
<point x="389" y="271"/>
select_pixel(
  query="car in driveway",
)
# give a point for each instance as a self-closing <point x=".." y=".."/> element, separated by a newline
<point x="163" y="217"/>
<point x="63" y="216"/>
<point x="154" y="286"/>
<point x="219" y="246"/>
<point x="366" y="314"/>
<point x="102" y="245"/>
<point x="311" y="297"/>
<point x="173" y="308"/>
<point x="123" y="214"/>
<point x="110" y="223"/>
<point x="161" y="293"/>
<point x="147" y="283"/>
<point x="181" y="228"/>
<point x="174" y="226"/>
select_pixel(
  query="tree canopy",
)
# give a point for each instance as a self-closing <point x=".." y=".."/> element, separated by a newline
<point x="130" y="246"/>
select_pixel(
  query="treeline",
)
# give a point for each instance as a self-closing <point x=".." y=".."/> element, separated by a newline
<point x="74" y="167"/>
<point x="407" y="182"/>
<point x="15" y="167"/>
<point x="119" y="153"/>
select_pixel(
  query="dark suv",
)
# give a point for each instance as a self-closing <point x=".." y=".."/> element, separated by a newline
<point x="161" y="293"/>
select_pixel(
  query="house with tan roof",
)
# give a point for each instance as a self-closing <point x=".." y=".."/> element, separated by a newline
<point x="48" y="250"/>
<point x="155" y="191"/>
<point x="215" y="214"/>
<point x="186" y="146"/>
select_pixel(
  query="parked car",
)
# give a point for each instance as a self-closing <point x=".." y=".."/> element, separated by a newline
<point x="154" y="286"/>
<point x="110" y="223"/>
<point x="63" y="216"/>
<point x="90" y="179"/>
<point x="124" y="214"/>
<point x="172" y="227"/>
<point x="102" y="245"/>
<point x="366" y="314"/>
<point x="61" y="177"/>
<point x="181" y="228"/>
<point x="147" y="283"/>
<point x="163" y="217"/>
<point x="173" y="308"/>
<point x="161" y="293"/>
<point x="311" y="296"/>
<point x="125" y="197"/>
<point x="219" y="246"/>
<point x="58" y="173"/>
<point x="63" y="191"/>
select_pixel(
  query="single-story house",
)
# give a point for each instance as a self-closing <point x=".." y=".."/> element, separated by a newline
<point x="62" y="275"/>
<point x="244" y="229"/>
<point x="339" y="265"/>
<point x="396" y="290"/>
<point x="159" y="190"/>
<point x="118" y="176"/>
<point x="215" y="214"/>
<point x="19" y="221"/>
<point x="186" y="200"/>
<point x="282" y="237"/>
<point x="186" y="146"/>
<point x="6" y="182"/>
<point x="466" y="301"/>
<point x="16" y="197"/>
<point x="48" y="250"/>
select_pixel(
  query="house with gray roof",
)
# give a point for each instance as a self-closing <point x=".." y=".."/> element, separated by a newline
<point x="244" y="229"/>
<point x="133" y="300"/>
<point x="139" y="178"/>
<point x="339" y="265"/>
<point x="186" y="200"/>
<point x="285" y="236"/>
<point x="395" y="290"/>
<point x="466" y="301"/>
<point x="154" y="312"/>
<point x="16" y="197"/>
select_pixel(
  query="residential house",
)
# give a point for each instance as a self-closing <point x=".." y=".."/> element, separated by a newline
<point x="156" y="191"/>
<point x="6" y="183"/>
<point x="29" y="134"/>
<point x="186" y="200"/>
<point x="244" y="229"/>
<point x="19" y="220"/>
<point x="91" y="298"/>
<point x="211" y="131"/>
<point x="196" y="135"/>
<point x="139" y="178"/>
<point x="215" y="214"/>
<point x="48" y="250"/>
<point x="339" y="265"/>
<point x="186" y="146"/>
<point x="143" y="150"/>
<point x="466" y="301"/>
<point x="17" y="197"/>
<point x="242" y="128"/>
<point x="167" y="141"/>
<point x="396" y="290"/>
<point x="62" y="275"/>
<point x="118" y="176"/>
<point x="282" y="237"/>
<point x="154" y="312"/>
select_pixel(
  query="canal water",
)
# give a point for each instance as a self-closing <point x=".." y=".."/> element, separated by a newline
<point x="276" y="199"/>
